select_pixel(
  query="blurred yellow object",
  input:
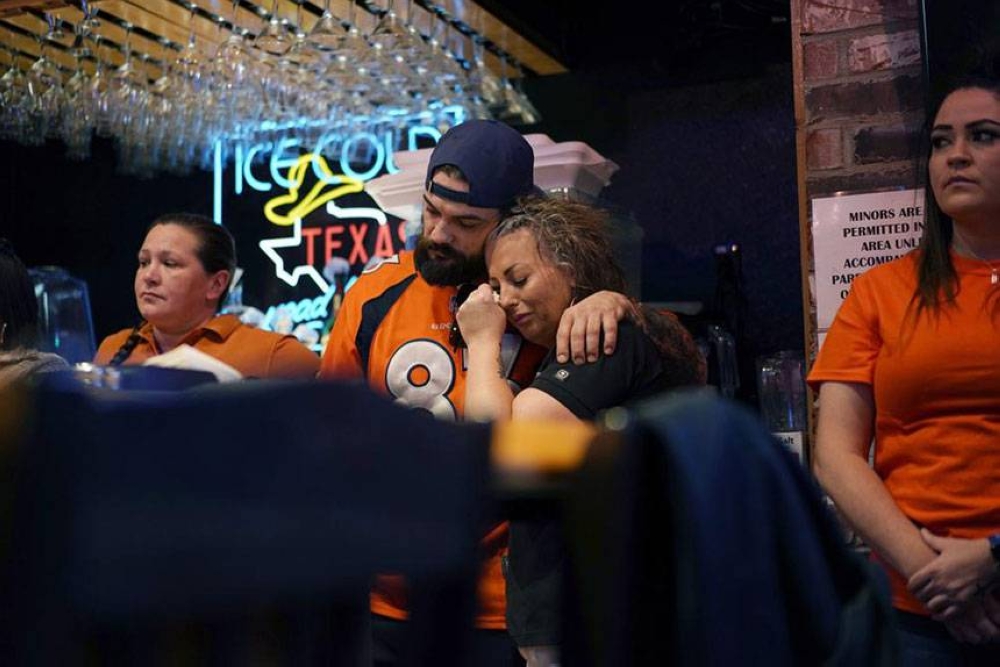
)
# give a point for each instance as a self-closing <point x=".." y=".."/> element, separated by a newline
<point x="540" y="447"/>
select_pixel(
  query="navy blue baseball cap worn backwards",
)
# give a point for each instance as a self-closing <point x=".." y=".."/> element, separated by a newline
<point x="497" y="162"/>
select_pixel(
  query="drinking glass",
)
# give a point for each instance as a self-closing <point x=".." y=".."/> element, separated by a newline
<point x="238" y="75"/>
<point x="90" y="21"/>
<point x="234" y="64"/>
<point x="444" y="78"/>
<point x="389" y="36"/>
<point x="519" y="106"/>
<point x="127" y="87"/>
<point x="98" y="98"/>
<point x="273" y="37"/>
<point x="301" y="53"/>
<point x="53" y="28"/>
<point x="77" y="120"/>
<point x="329" y="33"/>
<point x="483" y="83"/>
<point x="45" y="86"/>
<point x="781" y="394"/>
<point x="15" y="102"/>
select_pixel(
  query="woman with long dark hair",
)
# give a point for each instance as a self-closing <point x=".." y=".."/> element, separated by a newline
<point x="912" y="363"/>
<point x="185" y="265"/>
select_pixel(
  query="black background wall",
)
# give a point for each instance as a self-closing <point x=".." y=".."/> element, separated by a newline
<point x="959" y="38"/>
<point x="89" y="219"/>
<point x="705" y="159"/>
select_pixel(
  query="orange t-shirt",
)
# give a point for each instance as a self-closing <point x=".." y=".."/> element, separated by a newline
<point x="392" y="330"/>
<point x="253" y="352"/>
<point x="937" y="396"/>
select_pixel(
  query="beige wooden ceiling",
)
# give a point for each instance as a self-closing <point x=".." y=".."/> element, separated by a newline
<point x="162" y="27"/>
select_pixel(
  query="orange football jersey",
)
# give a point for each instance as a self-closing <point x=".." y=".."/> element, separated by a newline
<point x="393" y="330"/>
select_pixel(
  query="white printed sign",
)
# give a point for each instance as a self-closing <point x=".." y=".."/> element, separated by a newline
<point x="853" y="233"/>
<point x="793" y="440"/>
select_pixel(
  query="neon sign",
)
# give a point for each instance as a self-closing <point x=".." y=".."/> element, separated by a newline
<point x="316" y="197"/>
<point x="361" y="156"/>
<point x="317" y="229"/>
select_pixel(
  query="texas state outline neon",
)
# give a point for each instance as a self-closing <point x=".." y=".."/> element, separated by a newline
<point x="310" y="311"/>
<point x="291" y="278"/>
<point x="299" y="210"/>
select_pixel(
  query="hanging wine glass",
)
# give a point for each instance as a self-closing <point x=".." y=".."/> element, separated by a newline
<point x="501" y="106"/>
<point x="54" y="31"/>
<point x="235" y="65"/>
<point x="79" y="49"/>
<point x="4" y="90"/>
<point x="329" y="33"/>
<point x="98" y="99"/>
<point x="45" y="85"/>
<point x="135" y="156"/>
<point x="347" y="75"/>
<point x="281" y="92"/>
<point x="483" y="83"/>
<point x="414" y="36"/>
<point x="183" y="128"/>
<point x="444" y="75"/>
<point x="354" y="49"/>
<point x="273" y="37"/>
<point x="389" y="35"/>
<point x="127" y="86"/>
<point x="301" y="54"/>
<point x="90" y="21"/>
<point x="15" y="102"/>
<point x="160" y="107"/>
<point x="44" y="75"/>
<point x="238" y="75"/>
<point x="77" y="120"/>
<point x="188" y="63"/>
<point x="519" y="107"/>
<point x="473" y="103"/>
<point x="393" y="50"/>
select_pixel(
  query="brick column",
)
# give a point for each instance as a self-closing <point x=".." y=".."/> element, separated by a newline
<point x="859" y="96"/>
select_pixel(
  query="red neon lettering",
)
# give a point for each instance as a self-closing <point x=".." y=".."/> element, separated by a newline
<point x="383" y="242"/>
<point x="332" y="243"/>
<point x="310" y="234"/>
<point x="358" y="235"/>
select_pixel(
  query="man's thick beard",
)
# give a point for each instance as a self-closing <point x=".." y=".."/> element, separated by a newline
<point x="455" y="269"/>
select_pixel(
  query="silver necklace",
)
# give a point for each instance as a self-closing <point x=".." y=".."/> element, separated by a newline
<point x="994" y="271"/>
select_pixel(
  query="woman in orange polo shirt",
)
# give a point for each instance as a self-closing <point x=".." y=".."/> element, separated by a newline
<point x="913" y="360"/>
<point x="185" y="265"/>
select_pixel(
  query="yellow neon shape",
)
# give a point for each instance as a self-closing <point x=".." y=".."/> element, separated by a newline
<point x="313" y="200"/>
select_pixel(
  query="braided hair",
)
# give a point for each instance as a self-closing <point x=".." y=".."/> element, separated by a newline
<point x="18" y="305"/>
<point x="216" y="251"/>
<point x="126" y="349"/>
